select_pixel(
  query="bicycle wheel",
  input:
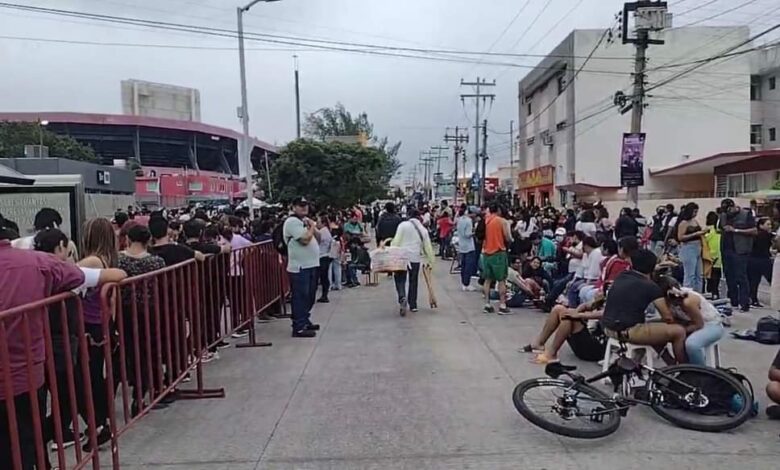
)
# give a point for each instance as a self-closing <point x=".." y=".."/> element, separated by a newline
<point x="722" y="403"/>
<point x="578" y="410"/>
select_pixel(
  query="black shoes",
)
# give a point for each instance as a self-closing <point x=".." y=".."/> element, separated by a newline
<point x="756" y="304"/>
<point x="323" y="300"/>
<point x="313" y="327"/>
<point x="103" y="436"/>
<point x="304" y="334"/>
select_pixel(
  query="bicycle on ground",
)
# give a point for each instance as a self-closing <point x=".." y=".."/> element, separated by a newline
<point x="689" y="396"/>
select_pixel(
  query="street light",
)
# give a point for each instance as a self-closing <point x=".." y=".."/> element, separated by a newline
<point x="245" y="151"/>
<point x="41" y="125"/>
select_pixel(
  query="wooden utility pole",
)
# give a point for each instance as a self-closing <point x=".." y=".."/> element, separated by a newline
<point x="484" y="163"/>
<point x="478" y="96"/>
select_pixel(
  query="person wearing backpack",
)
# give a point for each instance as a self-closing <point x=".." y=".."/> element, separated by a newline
<point x="303" y="261"/>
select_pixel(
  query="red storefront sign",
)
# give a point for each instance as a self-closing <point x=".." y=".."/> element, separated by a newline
<point x="542" y="176"/>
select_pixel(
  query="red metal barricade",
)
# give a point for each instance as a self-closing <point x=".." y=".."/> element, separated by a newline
<point x="51" y="364"/>
<point x="155" y="328"/>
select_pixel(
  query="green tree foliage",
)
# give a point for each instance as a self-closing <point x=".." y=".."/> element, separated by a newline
<point x="337" y="121"/>
<point x="15" y="135"/>
<point x="334" y="174"/>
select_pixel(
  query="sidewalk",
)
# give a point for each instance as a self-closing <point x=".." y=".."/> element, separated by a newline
<point x="433" y="390"/>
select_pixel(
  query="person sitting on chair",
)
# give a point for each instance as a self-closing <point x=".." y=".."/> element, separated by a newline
<point x="571" y="326"/>
<point x="628" y="298"/>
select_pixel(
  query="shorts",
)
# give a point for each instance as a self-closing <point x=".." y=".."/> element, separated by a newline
<point x="495" y="267"/>
<point x="586" y="347"/>
<point x="641" y="334"/>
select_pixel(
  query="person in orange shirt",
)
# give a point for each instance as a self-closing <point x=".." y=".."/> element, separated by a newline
<point x="495" y="264"/>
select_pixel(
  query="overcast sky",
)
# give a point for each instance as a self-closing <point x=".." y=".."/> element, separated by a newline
<point x="410" y="100"/>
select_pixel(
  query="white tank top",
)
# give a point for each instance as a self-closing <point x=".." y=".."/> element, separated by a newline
<point x="709" y="313"/>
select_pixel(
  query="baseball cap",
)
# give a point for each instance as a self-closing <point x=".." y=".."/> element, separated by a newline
<point x="560" y="231"/>
<point x="300" y="201"/>
<point x="727" y="203"/>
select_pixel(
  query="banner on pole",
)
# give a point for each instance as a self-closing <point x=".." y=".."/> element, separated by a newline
<point x="632" y="158"/>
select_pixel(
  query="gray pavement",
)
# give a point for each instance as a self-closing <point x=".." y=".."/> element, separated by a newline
<point x="430" y="391"/>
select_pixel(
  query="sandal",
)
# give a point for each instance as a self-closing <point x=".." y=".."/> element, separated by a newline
<point x="542" y="360"/>
<point x="528" y="349"/>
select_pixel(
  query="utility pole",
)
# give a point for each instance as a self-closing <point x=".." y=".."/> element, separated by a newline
<point x="477" y="97"/>
<point x="457" y="139"/>
<point x="512" y="160"/>
<point x="648" y="16"/>
<point x="427" y="163"/>
<point x="437" y="177"/>
<point x="297" y="100"/>
<point x="484" y="163"/>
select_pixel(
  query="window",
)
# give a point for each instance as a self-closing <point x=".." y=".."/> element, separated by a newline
<point x="561" y="83"/>
<point x="772" y="134"/>
<point x="755" y="134"/>
<point x="735" y="185"/>
<point x="560" y="126"/>
<point x="530" y="109"/>
<point x="195" y="186"/>
<point x="772" y="83"/>
<point x="530" y="141"/>
<point x="755" y="87"/>
<point x="750" y="183"/>
<point x="152" y="186"/>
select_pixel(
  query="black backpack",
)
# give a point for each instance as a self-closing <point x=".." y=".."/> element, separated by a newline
<point x="768" y="330"/>
<point x="278" y="238"/>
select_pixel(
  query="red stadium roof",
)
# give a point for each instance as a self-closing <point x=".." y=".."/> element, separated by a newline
<point x="130" y="120"/>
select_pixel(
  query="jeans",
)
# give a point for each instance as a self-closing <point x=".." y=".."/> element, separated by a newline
<point x="657" y="247"/>
<point x="324" y="275"/>
<point x="352" y="279"/>
<point x="690" y="255"/>
<point x="699" y="340"/>
<point x="335" y="275"/>
<point x="735" y="267"/>
<point x="25" y="430"/>
<point x="758" y="268"/>
<point x="303" y="285"/>
<point x="573" y="295"/>
<point x="588" y="294"/>
<point x="400" y="285"/>
<point x="557" y="289"/>
<point x="468" y="267"/>
<point x="444" y="243"/>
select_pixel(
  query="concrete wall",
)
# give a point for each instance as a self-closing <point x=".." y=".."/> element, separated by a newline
<point x="699" y="115"/>
<point x="122" y="181"/>
<point x="766" y="111"/>
<point x="105" y="205"/>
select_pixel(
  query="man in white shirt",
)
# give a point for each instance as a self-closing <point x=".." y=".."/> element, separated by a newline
<point x="303" y="261"/>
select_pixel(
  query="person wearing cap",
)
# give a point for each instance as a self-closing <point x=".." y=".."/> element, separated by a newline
<point x="303" y="260"/>
<point x="466" y="248"/>
<point x="739" y="227"/>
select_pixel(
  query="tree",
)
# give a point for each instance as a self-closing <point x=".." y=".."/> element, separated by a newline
<point x="333" y="174"/>
<point x="337" y="121"/>
<point x="15" y="135"/>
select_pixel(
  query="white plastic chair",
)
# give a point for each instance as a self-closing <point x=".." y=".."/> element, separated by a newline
<point x="614" y="345"/>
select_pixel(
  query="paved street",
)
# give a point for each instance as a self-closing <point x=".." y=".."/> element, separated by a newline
<point x="433" y="390"/>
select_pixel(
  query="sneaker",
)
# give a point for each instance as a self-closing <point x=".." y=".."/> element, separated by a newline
<point x="304" y="334"/>
<point x="313" y="327"/>
<point x="223" y="344"/>
<point x="756" y="304"/>
<point x="504" y="310"/>
<point x="68" y="440"/>
<point x="323" y="300"/>
<point x="103" y="436"/>
<point x="187" y="378"/>
<point x="469" y="288"/>
<point x="240" y="334"/>
<point x="745" y="309"/>
<point x="208" y="357"/>
<point x="414" y="309"/>
<point x="488" y="309"/>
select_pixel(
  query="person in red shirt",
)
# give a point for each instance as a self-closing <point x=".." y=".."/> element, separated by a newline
<point x="444" y="226"/>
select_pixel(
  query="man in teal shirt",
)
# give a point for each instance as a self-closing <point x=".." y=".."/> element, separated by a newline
<point x="544" y="247"/>
<point x="353" y="228"/>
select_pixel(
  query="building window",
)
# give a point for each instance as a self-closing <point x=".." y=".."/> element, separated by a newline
<point x="735" y="185"/>
<point x="755" y="87"/>
<point x="560" y="126"/>
<point x="530" y="108"/>
<point x="195" y="186"/>
<point x="755" y="134"/>
<point x="152" y="186"/>
<point x="772" y="83"/>
<point x="561" y="83"/>
<point x="530" y="141"/>
<point x="772" y="134"/>
<point x="750" y="183"/>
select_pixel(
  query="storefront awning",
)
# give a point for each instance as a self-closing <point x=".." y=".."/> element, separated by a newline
<point x="707" y="165"/>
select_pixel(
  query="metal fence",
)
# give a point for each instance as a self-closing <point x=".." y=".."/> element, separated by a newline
<point x="155" y="330"/>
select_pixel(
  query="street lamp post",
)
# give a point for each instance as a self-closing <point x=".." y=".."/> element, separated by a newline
<point x="244" y="151"/>
<point x="41" y="125"/>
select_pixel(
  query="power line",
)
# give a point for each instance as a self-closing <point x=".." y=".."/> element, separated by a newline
<point x="508" y="26"/>
<point x="557" y="23"/>
<point x="722" y="13"/>
<point x="522" y="36"/>
<point x="697" y="7"/>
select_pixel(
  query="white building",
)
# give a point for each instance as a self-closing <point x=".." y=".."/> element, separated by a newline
<point x="765" y="99"/>
<point x="140" y="98"/>
<point x="570" y="131"/>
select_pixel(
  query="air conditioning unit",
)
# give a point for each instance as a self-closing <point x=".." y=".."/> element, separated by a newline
<point x="36" y="151"/>
<point x="547" y="139"/>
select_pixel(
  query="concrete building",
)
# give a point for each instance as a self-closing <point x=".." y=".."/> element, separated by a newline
<point x="158" y="100"/>
<point x="765" y="99"/>
<point x="570" y="131"/>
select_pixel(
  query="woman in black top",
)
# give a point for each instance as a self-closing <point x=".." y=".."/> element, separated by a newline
<point x="760" y="261"/>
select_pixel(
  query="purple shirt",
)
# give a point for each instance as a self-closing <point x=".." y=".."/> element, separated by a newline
<point x="236" y="257"/>
<point x="29" y="276"/>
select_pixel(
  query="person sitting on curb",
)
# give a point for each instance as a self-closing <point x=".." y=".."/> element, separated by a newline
<point x="570" y="325"/>
<point x="773" y="389"/>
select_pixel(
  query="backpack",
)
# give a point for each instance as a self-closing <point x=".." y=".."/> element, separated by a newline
<point x="278" y="239"/>
<point x="768" y="330"/>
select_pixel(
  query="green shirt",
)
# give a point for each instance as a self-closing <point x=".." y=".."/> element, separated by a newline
<point x="354" y="229"/>
<point x="299" y="255"/>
